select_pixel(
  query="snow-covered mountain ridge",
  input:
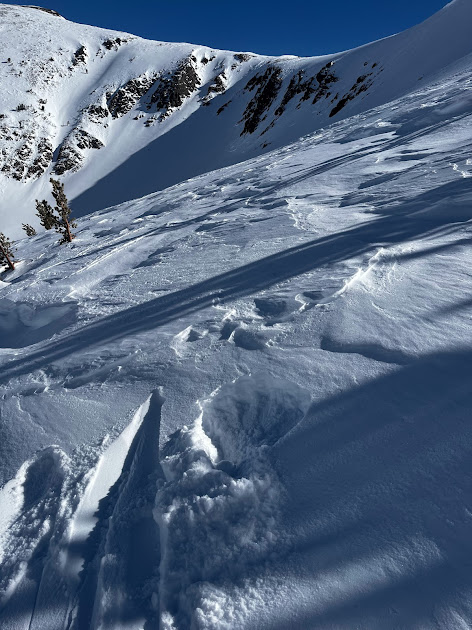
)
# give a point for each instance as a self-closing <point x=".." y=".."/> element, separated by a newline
<point x="118" y="117"/>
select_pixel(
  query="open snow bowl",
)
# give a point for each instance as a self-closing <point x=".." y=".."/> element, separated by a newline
<point x="23" y="324"/>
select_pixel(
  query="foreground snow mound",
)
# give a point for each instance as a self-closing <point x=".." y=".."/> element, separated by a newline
<point x="218" y="510"/>
<point x="244" y="401"/>
<point x="118" y="117"/>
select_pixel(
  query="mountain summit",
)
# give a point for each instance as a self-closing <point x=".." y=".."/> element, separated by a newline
<point x="117" y="116"/>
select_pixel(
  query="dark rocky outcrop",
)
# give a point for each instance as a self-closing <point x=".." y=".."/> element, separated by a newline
<point x="70" y="156"/>
<point x="298" y="85"/>
<point x="126" y="97"/>
<point x="111" y="44"/>
<point x="218" y="87"/>
<point x="80" y="56"/>
<point x="242" y="57"/>
<point x="16" y="164"/>
<point x="268" y="86"/>
<point x="325" y="78"/>
<point x="222" y="108"/>
<point x="362" y="84"/>
<point x="42" y="161"/>
<point x="85" y="140"/>
<point x="29" y="159"/>
<point x="96" y="112"/>
<point x="50" y="11"/>
<point x="173" y="89"/>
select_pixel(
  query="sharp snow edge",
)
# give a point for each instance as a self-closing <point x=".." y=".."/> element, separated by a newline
<point x="81" y="549"/>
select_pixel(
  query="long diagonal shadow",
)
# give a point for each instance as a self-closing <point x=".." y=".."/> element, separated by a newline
<point x="397" y="225"/>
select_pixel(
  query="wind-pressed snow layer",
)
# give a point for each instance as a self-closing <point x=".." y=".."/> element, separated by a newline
<point x="244" y="401"/>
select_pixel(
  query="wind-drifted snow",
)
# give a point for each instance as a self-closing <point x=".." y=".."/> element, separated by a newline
<point x="244" y="401"/>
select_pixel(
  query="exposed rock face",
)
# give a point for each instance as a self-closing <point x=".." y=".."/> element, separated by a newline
<point x="126" y="97"/>
<point x="204" y="60"/>
<point x="42" y="161"/>
<point x="362" y="84"/>
<point x="80" y="56"/>
<point x="240" y="58"/>
<point x="96" y="113"/>
<point x="85" y="140"/>
<point x="29" y="156"/>
<point x="33" y="124"/>
<point x="51" y="11"/>
<point x="15" y="164"/>
<point x="268" y="86"/>
<point x="222" y="108"/>
<point x="218" y="87"/>
<point x="325" y="78"/>
<point x="111" y="44"/>
<point x="70" y="156"/>
<point x="173" y="89"/>
<point x="298" y="85"/>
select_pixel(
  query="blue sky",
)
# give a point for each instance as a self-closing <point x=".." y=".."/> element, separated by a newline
<point x="267" y="27"/>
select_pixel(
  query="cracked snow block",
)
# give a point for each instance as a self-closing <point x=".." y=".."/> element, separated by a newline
<point x="268" y="86"/>
<point x="127" y="96"/>
<point x="173" y="89"/>
<point x="248" y="339"/>
<point x="219" y="507"/>
<point x="270" y="307"/>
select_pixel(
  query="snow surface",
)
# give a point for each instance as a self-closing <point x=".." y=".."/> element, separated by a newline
<point x="245" y="401"/>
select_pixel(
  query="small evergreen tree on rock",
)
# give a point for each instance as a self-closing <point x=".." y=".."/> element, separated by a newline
<point x="58" y="217"/>
<point x="29" y="229"/>
<point x="6" y="252"/>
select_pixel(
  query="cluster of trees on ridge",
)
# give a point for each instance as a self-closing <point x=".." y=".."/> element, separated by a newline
<point x="57" y="218"/>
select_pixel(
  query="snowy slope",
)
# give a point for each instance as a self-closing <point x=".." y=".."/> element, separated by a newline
<point x="244" y="401"/>
<point x="118" y="117"/>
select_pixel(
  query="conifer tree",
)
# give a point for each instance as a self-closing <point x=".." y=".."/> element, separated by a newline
<point x="29" y="229"/>
<point x="64" y="222"/>
<point x="6" y="252"/>
<point x="58" y="217"/>
<point x="45" y="214"/>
